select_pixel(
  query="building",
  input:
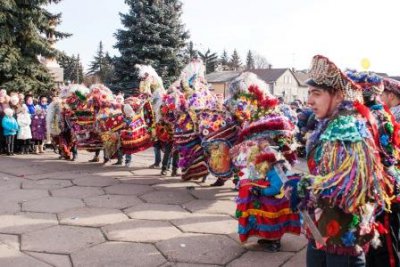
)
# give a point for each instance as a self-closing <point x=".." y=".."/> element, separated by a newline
<point x="220" y="81"/>
<point x="283" y="83"/>
<point x="302" y="76"/>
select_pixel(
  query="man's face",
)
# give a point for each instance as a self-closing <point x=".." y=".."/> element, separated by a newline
<point x="387" y="98"/>
<point x="322" y="102"/>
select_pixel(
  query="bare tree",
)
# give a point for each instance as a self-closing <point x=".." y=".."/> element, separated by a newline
<point x="260" y="62"/>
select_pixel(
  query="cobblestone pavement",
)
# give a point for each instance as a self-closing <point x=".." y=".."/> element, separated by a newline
<point x="62" y="213"/>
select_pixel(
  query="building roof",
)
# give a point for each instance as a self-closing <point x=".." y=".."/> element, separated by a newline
<point x="395" y="77"/>
<point x="382" y="74"/>
<point x="222" y="76"/>
<point x="269" y="75"/>
<point x="301" y="76"/>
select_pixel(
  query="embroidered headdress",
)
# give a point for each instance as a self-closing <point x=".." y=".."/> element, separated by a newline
<point x="325" y="74"/>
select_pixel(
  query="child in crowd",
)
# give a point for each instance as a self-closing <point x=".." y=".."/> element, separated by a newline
<point x="38" y="127"/>
<point x="10" y="128"/>
<point x="24" y="131"/>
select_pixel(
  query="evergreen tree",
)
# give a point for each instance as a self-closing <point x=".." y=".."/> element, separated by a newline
<point x="153" y="35"/>
<point x="235" y="62"/>
<point x="224" y="58"/>
<point x="73" y="70"/>
<point x="250" y="61"/>
<point x="101" y="66"/>
<point x="27" y="30"/>
<point x="190" y="52"/>
<point x="210" y="60"/>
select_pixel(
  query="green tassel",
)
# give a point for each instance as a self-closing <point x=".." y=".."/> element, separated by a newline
<point x="80" y="96"/>
<point x="257" y="204"/>
<point x="389" y="128"/>
<point x="354" y="222"/>
<point x="238" y="214"/>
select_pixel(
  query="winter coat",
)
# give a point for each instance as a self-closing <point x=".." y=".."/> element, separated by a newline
<point x="38" y="127"/>
<point x="31" y="109"/>
<point x="24" y="123"/>
<point x="9" y="125"/>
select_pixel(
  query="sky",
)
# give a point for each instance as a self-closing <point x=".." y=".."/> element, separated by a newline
<point x="287" y="32"/>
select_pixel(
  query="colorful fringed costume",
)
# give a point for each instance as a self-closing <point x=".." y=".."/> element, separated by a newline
<point x="383" y="128"/>
<point x="346" y="186"/>
<point x="266" y="142"/>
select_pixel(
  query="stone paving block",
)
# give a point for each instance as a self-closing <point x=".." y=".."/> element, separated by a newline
<point x="8" y="183"/>
<point x="11" y="241"/>
<point x="207" y="224"/>
<point x="98" y="181"/>
<point x="9" y="207"/>
<point x="289" y="243"/>
<point x="114" y="173"/>
<point x="112" y="201"/>
<point x="52" y="204"/>
<point x="78" y="192"/>
<point x="168" y="197"/>
<point x="215" y="193"/>
<point x="293" y="243"/>
<point x="22" y="195"/>
<point x="151" y="180"/>
<point x="61" y="239"/>
<point x="141" y="231"/>
<point x="150" y="211"/>
<point x="61" y="175"/>
<point x="128" y="189"/>
<point x="212" y="206"/>
<point x="24" y="222"/>
<point x="261" y="258"/>
<point x="94" y="217"/>
<point x="200" y="249"/>
<point x="180" y="264"/>
<point x="180" y="184"/>
<point x="46" y="184"/>
<point x="297" y="260"/>
<point x="53" y="259"/>
<point x="14" y="258"/>
<point x="118" y="254"/>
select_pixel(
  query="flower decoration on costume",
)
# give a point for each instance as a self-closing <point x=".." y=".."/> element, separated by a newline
<point x="332" y="228"/>
<point x="348" y="239"/>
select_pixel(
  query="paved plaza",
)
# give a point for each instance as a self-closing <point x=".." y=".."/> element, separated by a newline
<point x="61" y="213"/>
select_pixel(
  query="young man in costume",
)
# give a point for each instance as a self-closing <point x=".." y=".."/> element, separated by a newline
<point x="346" y="186"/>
<point x="383" y="129"/>
<point x="391" y="97"/>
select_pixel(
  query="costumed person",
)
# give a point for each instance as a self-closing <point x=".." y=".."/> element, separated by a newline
<point x="10" y="129"/>
<point x="85" y="104"/>
<point x="218" y="131"/>
<point x="38" y="128"/>
<point x="129" y="115"/>
<point x="346" y="187"/>
<point x="383" y="128"/>
<point x="192" y="157"/>
<point x="151" y="87"/>
<point x="24" y="129"/>
<point x="264" y="151"/>
<point x="53" y="122"/>
<point x="165" y="129"/>
<point x="391" y="96"/>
